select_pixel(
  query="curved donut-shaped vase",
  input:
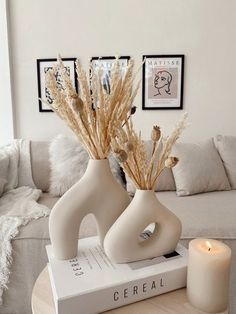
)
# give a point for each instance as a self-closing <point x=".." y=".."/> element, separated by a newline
<point x="122" y="243"/>
<point x="98" y="193"/>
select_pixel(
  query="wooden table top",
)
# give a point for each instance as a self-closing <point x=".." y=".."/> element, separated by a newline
<point x="169" y="303"/>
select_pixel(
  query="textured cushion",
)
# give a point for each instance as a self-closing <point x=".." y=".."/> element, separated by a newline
<point x="68" y="162"/>
<point x="4" y="163"/>
<point x="40" y="164"/>
<point x="211" y="215"/>
<point x="226" y="146"/>
<point x="165" y="182"/>
<point x="199" y="169"/>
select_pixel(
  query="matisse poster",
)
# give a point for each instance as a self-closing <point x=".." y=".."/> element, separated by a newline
<point x="105" y="65"/>
<point x="163" y="82"/>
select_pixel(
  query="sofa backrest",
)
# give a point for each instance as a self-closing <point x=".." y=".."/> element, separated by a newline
<point x="40" y="164"/>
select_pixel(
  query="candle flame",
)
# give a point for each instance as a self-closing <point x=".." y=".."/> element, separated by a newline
<point x="209" y="246"/>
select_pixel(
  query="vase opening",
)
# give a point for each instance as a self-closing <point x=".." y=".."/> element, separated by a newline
<point x="148" y="232"/>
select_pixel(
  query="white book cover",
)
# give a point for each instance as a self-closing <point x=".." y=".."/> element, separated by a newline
<point x="91" y="283"/>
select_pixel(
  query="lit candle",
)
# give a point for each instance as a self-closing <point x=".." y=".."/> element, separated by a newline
<point x="208" y="275"/>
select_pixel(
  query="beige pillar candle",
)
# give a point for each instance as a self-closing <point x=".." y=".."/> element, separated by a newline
<point x="208" y="275"/>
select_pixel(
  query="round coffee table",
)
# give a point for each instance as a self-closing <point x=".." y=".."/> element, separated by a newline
<point x="172" y="302"/>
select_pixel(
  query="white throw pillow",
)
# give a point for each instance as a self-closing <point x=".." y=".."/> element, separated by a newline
<point x="4" y="163"/>
<point x="68" y="162"/>
<point x="12" y="150"/>
<point x="226" y="146"/>
<point x="165" y="182"/>
<point x="199" y="169"/>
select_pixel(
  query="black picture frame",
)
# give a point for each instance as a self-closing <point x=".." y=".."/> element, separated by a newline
<point x="107" y="61"/>
<point x="169" y="75"/>
<point x="43" y="64"/>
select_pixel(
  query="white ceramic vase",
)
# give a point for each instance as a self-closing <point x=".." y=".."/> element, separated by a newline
<point x="98" y="193"/>
<point x="122" y="242"/>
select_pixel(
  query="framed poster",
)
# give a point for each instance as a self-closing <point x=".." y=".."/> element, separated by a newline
<point x="163" y="79"/>
<point x="105" y="63"/>
<point x="43" y="65"/>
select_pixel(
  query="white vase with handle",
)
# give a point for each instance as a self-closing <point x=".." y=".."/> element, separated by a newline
<point x="122" y="243"/>
<point x="98" y="193"/>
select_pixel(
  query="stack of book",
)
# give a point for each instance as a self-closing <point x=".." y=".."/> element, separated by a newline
<point x="91" y="283"/>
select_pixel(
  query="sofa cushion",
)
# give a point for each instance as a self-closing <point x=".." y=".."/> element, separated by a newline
<point x="38" y="229"/>
<point x="199" y="169"/>
<point x="165" y="181"/>
<point x="211" y="215"/>
<point x="226" y="146"/>
<point x="40" y="164"/>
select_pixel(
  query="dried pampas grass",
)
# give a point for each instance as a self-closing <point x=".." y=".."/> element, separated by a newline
<point x="130" y="150"/>
<point x="94" y="115"/>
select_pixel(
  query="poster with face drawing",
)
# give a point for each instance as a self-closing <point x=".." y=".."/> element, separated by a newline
<point x="163" y="82"/>
<point x="105" y="64"/>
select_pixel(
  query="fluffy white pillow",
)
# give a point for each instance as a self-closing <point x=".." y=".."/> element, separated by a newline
<point x="226" y="146"/>
<point x="165" y="182"/>
<point x="4" y="163"/>
<point x="199" y="169"/>
<point x="68" y="162"/>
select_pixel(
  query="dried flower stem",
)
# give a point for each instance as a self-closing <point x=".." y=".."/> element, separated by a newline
<point x="96" y="121"/>
<point x="144" y="172"/>
<point x="167" y="146"/>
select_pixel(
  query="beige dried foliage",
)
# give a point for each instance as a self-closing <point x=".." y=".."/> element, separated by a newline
<point x="94" y="115"/>
<point x="142" y="170"/>
<point x="156" y="133"/>
<point x="171" y="162"/>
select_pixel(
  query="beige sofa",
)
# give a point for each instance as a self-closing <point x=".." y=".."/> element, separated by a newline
<point x="210" y="215"/>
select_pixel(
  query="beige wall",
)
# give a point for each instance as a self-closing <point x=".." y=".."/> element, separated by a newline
<point x="203" y="30"/>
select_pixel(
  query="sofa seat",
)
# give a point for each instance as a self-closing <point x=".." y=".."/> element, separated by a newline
<point x="38" y="229"/>
<point x="211" y="214"/>
<point x="217" y="208"/>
